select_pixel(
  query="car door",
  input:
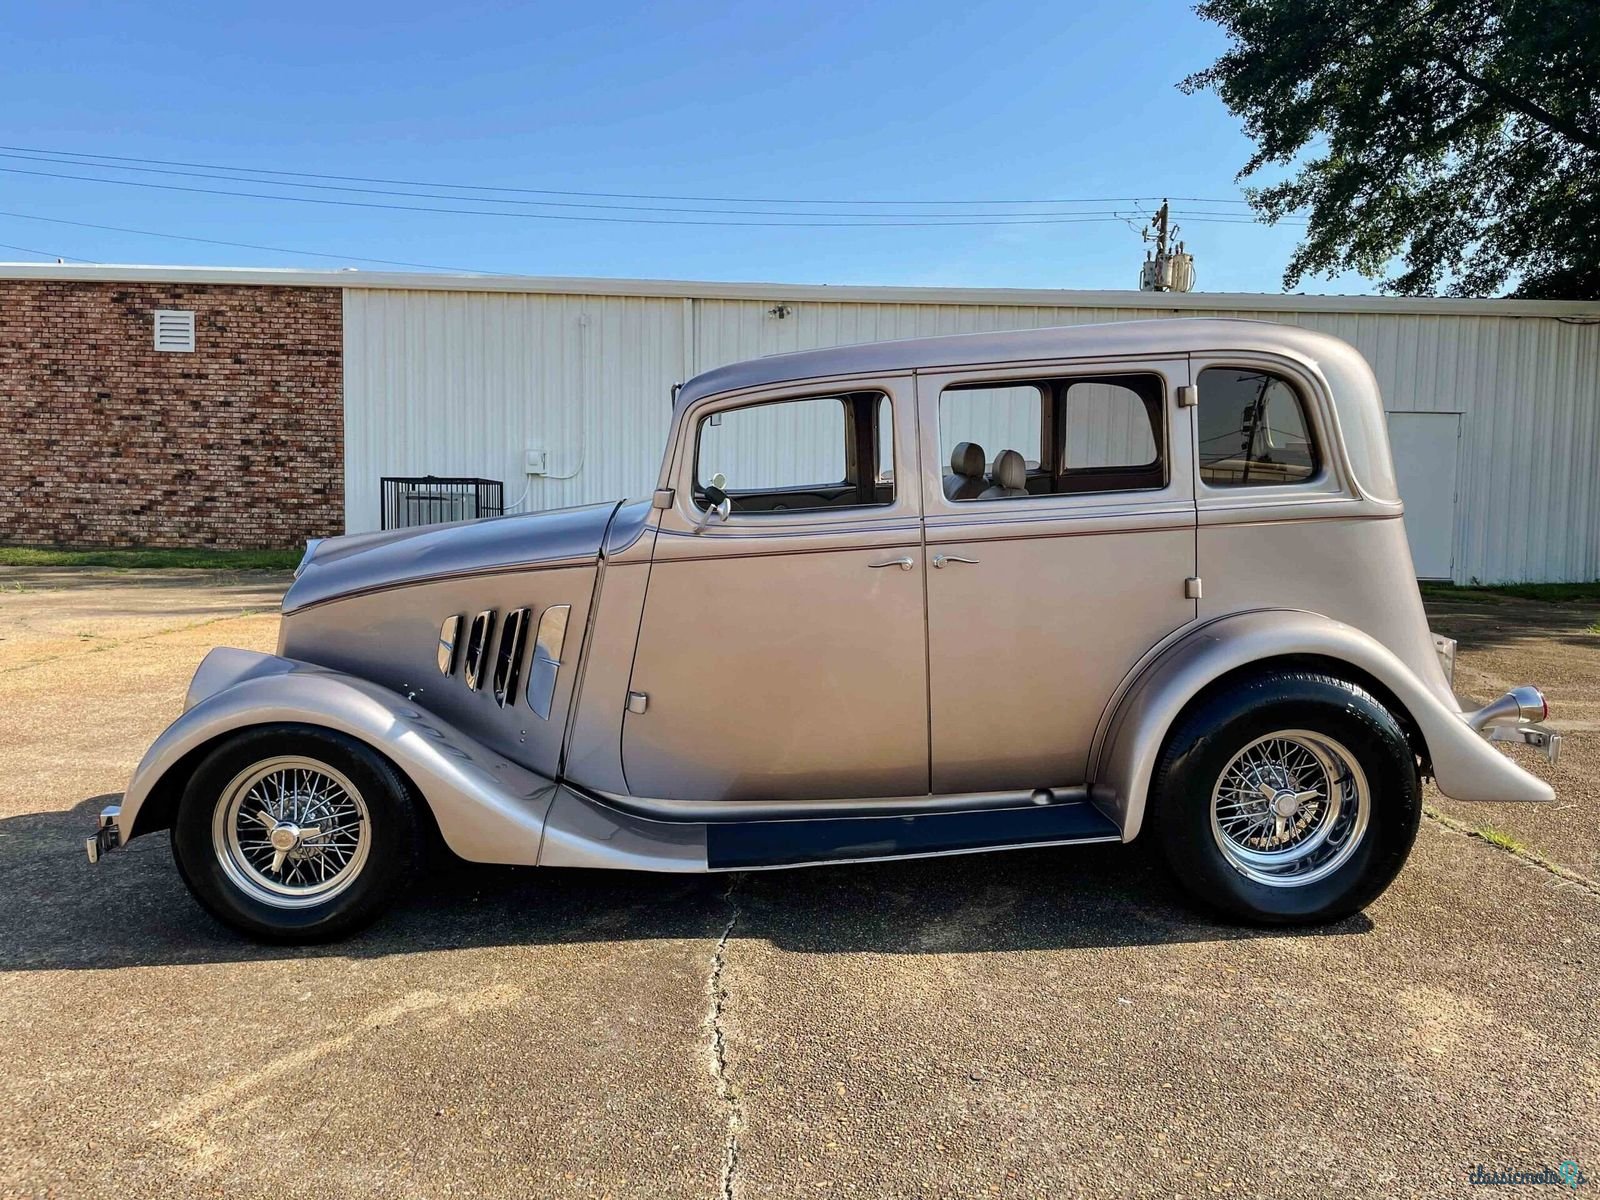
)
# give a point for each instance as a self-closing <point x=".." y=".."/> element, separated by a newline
<point x="1046" y="588"/>
<point x="782" y="650"/>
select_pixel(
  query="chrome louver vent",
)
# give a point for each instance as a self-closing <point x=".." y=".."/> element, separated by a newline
<point x="544" y="666"/>
<point x="547" y="659"/>
<point x="508" y="663"/>
<point x="478" y="648"/>
<point x="449" y="638"/>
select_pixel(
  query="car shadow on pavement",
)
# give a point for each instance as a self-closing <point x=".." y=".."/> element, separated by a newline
<point x="132" y="909"/>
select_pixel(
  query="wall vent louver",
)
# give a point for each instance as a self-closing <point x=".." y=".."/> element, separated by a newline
<point x="175" y="331"/>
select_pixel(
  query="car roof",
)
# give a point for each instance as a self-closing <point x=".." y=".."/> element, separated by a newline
<point x="1178" y="335"/>
<point x="1355" y="395"/>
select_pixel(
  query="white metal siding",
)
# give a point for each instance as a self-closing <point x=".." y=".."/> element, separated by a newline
<point x="463" y="382"/>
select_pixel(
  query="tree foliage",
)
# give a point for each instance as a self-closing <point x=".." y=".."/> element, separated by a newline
<point x="1437" y="144"/>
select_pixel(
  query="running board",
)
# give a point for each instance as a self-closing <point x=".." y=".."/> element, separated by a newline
<point x="743" y="845"/>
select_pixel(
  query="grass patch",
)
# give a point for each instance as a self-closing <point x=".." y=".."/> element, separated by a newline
<point x="193" y="559"/>
<point x="1550" y="593"/>
<point x="1504" y="840"/>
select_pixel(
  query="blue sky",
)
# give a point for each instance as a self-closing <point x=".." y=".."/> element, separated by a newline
<point x="891" y="101"/>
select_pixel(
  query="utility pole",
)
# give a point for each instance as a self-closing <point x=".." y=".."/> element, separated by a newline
<point x="1161" y="230"/>
<point x="1165" y="270"/>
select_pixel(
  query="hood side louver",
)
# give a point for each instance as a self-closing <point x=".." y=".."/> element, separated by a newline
<point x="449" y="641"/>
<point x="544" y="664"/>
<point x="508" y="663"/>
<point x="478" y="648"/>
<point x="547" y="659"/>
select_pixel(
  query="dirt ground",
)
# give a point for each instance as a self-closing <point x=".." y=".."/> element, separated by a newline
<point x="1055" y="1022"/>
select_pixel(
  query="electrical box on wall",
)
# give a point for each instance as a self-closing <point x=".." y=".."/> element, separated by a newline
<point x="536" y="461"/>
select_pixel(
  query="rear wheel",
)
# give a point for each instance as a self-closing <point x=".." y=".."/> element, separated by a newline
<point x="295" y="833"/>
<point x="1289" y="797"/>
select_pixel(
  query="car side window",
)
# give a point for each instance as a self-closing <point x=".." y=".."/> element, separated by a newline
<point x="994" y="416"/>
<point x="1053" y="436"/>
<point x="804" y="455"/>
<point x="1253" y="430"/>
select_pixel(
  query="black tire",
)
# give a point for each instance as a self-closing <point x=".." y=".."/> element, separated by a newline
<point x="394" y="847"/>
<point x="1222" y="724"/>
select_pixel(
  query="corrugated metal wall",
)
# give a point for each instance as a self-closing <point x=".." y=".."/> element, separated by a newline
<point x="463" y="383"/>
<point x="444" y="382"/>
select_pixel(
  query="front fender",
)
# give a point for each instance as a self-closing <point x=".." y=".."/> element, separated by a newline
<point x="488" y="808"/>
<point x="1465" y="766"/>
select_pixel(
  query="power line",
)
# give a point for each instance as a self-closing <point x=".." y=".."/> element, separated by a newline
<point x="846" y="222"/>
<point x="531" y="216"/>
<point x="43" y="253"/>
<point x="478" y="187"/>
<point x="753" y="212"/>
<point x="185" y="237"/>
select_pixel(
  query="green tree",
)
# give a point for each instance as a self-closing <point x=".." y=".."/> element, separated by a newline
<point x="1436" y="144"/>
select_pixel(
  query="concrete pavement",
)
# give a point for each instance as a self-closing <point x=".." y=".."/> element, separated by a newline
<point x="1055" y="1022"/>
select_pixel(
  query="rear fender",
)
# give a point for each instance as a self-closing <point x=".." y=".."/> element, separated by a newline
<point x="488" y="808"/>
<point x="1465" y="766"/>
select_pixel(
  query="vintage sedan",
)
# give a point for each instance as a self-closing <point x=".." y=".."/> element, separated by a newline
<point x="908" y="598"/>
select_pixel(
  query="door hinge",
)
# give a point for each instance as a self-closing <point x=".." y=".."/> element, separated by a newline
<point x="638" y="702"/>
<point x="1188" y="396"/>
<point x="1191" y="588"/>
<point x="662" y="498"/>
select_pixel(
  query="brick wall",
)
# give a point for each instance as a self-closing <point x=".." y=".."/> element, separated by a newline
<point x="105" y="441"/>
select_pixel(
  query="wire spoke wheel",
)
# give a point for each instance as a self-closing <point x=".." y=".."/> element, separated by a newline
<point x="291" y="832"/>
<point x="1290" y="808"/>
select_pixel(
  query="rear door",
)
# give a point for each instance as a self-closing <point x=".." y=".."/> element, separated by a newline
<point x="1040" y="603"/>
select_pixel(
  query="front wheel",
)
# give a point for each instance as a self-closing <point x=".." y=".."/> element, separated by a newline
<point x="295" y="833"/>
<point x="1287" y="797"/>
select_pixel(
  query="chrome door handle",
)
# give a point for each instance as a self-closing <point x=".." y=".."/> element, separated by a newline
<point x="939" y="560"/>
<point x="905" y="564"/>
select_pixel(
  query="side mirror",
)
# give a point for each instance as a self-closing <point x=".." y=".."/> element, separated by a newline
<point x="718" y="506"/>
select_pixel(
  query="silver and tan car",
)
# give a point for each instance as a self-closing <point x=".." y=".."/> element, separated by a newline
<point x="908" y="598"/>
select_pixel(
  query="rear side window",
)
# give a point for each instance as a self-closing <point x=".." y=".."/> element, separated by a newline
<point x="1107" y="426"/>
<point x="995" y="416"/>
<point x="1253" y="430"/>
<point x="1060" y="436"/>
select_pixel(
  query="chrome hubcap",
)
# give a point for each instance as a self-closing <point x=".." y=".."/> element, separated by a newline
<point x="291" y="832"/>
<point x="1290" y="808"/>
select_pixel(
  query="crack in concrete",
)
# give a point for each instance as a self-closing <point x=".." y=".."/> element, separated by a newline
<point x="717" y="1006"/>
<point x="1531" y="857"/>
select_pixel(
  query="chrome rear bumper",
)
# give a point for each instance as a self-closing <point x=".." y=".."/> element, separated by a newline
<point x="1548" y="741"/>
<point x="108" y="836"/>
<point x="1516" y="717"/>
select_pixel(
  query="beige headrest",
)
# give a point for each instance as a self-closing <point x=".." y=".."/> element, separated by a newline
<point x="1010" y="471"/>
<point x="968" y="459"/>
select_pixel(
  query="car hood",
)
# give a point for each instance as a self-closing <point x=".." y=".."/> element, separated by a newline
<point x="365" y="562"/>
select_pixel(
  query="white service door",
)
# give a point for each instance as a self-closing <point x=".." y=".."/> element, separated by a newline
<point x="1424" y="445"/>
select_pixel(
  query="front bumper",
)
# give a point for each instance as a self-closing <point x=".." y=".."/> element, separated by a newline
<point x="108" y="836"/>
